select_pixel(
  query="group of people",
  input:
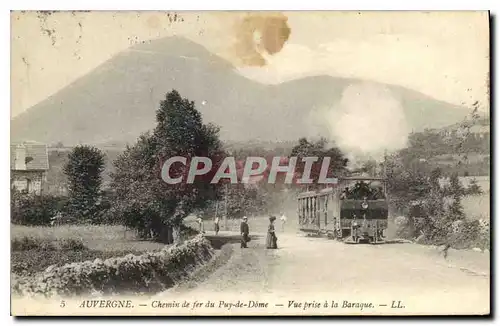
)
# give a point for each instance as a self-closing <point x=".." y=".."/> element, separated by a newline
<point x="271" y="239"/>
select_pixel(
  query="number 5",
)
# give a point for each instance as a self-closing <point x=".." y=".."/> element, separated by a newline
<point x="63" y="304"/>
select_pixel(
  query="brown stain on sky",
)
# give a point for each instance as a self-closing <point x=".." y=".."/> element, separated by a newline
<point x="153" y="22"/>
<point x="258" y="33"/>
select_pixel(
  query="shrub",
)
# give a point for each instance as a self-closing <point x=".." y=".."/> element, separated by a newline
<point x="35" y="210"/>
<point x="71" y="244"/>
<point x="149" y="272"/>
<point x="473" y="188"/>
<point x="188" y="232"/>
<point x="29" y="243"/>
<point x="471" y="234"/>
<point x="31" y="262"/>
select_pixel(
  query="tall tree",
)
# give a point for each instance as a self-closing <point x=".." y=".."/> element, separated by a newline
<point x="319" y="149"/>
<point x="142" y="199"/>
<point x="84" y="173"/>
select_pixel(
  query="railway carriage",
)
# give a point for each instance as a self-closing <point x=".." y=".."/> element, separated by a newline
<point x="355" y="210"/>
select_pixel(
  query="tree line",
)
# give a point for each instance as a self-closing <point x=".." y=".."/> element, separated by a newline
<point x="138" y="198"/>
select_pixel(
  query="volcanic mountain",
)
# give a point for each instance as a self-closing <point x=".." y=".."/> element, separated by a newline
<point x="116" y="102"/>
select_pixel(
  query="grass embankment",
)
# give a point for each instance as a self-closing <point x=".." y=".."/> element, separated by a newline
<point x="33" y="249"/>
<point x="148" y="272"/>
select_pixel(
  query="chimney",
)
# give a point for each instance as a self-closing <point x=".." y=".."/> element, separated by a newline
<point x="20" y="162"/>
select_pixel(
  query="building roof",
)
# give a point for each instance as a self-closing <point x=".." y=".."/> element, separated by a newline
<point x="36" y="151"/>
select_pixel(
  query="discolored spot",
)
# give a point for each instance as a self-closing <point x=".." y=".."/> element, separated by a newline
<point x="260" y="33"/>
<point x="153" y="22"/>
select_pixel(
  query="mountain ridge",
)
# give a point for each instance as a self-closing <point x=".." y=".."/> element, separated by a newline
<point x="117" y="100"/>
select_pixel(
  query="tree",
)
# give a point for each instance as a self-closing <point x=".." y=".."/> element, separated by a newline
<point x="58" y="144"/>
<point x="319" y="149"/>
<point x="244" y="200"/>
<point x="413" y="183"/>
<point x="473" y="188"/>
<point x="142" y="199"/>
<point x="83" y="170"/>
<point x="30" y="209"/>
<point x="370" y="167"/>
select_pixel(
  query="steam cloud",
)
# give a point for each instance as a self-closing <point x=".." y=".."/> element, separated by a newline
<point x="366" y="121"/>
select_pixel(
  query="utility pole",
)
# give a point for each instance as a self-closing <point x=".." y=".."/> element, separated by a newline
<point x="385" y="172"/>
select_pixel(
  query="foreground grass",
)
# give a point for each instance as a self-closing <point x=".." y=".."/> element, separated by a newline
<point x="94" y="237"/>
<point x="36" y="248"/>
<point x="148" y="272"/>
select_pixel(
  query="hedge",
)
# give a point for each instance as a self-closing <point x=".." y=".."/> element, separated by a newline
<point x="146" y="273"/>
<point x="28" y="209"/>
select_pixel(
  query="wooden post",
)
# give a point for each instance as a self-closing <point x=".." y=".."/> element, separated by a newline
<point x="385" y="164"/>
<point x="216" y="209"/>
<point x="385" y="173"/>
<point x="225" y="207"/>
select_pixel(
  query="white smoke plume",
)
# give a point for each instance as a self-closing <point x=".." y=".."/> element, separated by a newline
<point x="366" y="121"/>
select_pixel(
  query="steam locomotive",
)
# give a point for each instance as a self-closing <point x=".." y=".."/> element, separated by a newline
<point x="355" y="211"/>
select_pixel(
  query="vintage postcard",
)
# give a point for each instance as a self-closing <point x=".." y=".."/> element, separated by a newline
<point x="250" y="163"/>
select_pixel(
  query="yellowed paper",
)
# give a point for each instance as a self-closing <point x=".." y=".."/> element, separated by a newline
<point x="400" y="96"/>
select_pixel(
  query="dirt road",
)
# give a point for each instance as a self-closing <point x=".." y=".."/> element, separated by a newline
<point x="414" y="278"/>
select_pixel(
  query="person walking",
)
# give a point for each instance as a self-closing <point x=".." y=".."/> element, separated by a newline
<point x="283" y="222"/>
<point x="200" y="224"/>
<point x="272" y="240"/>
<point x="216" y="225"/>
<point x="244" y="230"/>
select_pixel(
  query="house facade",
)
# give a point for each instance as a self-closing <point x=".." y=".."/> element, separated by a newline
<point x="29" y="163"/>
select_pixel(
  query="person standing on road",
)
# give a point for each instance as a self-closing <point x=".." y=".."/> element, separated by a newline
<point x="272" y="240"/>
<point x="200" y="224"/>
<point x="244" y="230"/>
<point x="216" y="225"/>
<point x="283" y="222"/>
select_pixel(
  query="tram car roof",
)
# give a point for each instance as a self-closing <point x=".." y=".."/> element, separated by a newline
<point x="361" y="178"/>
<point x="325" y="191"/>
<point x="330" y="190"/>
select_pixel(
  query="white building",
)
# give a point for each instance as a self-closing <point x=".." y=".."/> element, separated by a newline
<point x="29" y="163"/>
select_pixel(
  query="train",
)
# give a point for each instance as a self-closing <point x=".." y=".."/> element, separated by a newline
<point x="354" y="211"/>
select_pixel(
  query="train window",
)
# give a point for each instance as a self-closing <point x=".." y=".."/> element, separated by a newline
<point x="303" y="209"/>
<point x="307" y="209"/>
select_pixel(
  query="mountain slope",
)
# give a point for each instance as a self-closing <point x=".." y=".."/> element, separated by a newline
<point x="117" y="101"/>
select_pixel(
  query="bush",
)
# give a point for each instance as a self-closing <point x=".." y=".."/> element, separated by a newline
<point x="72" y="244"/>
<point x="35" y="210"/>
<point x="31" y="262"/>
<point x="149" y="272"/>
<point x="29" y="243"/>
<point x="471" y="234"/>
<point x="187" y="232"/>
<point x="473" y="188"/>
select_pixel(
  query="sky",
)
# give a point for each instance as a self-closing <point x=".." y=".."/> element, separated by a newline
<point x="442" y="54"/>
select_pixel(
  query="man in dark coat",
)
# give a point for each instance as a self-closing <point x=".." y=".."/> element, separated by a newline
<point x="244" y="232"/>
